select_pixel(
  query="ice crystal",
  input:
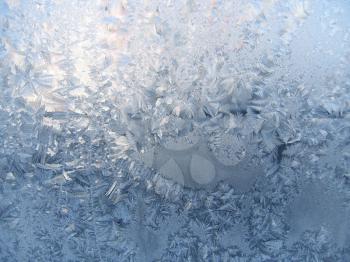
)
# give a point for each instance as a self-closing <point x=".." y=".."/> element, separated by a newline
<point x="174" y="130"/>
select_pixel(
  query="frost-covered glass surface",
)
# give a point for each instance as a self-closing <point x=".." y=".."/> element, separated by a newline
<point x="175" y="130"/>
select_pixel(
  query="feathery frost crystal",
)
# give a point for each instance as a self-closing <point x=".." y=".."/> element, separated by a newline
<point x="176" y="130"/>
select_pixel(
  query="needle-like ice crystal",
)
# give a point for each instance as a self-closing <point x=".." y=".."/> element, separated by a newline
<point x="175" y="130"/>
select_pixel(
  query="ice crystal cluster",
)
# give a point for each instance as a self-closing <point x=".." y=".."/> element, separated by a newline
<point x="175" y="130"/>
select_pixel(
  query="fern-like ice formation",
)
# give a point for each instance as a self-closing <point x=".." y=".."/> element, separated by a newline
<point x="177" y="130"/>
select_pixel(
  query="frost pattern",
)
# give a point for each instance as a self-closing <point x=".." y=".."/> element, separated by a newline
<point x="174" y="130"/>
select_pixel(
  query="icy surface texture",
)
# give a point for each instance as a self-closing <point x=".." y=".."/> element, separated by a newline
<point x="174" y="130"/>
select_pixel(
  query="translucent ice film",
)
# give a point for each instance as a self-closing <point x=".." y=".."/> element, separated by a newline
<point x="175" y="130"/>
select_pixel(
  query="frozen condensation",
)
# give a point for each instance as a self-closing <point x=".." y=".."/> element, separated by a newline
<point x="175" y="130"/>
